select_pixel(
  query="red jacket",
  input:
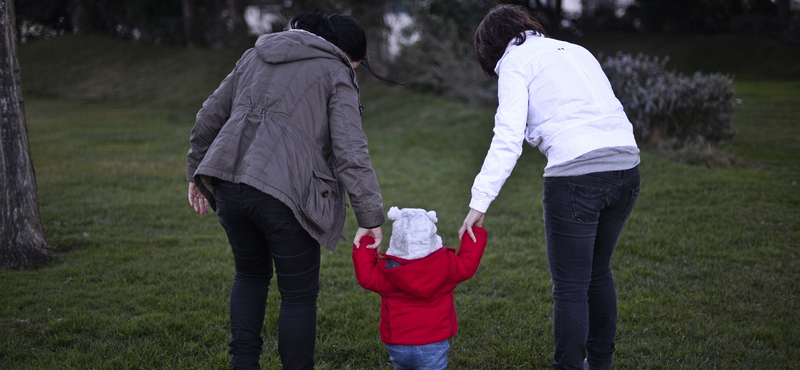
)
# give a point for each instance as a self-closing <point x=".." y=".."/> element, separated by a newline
<point x="417" y="298"/>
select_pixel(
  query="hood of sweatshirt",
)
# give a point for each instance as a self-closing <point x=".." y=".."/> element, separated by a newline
<point x="295" y="45"/>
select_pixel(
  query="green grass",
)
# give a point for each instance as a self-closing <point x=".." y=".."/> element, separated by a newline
<point x="707" y="269"/>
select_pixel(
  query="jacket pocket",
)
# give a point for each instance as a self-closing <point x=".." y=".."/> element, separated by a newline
<point x="319" y="205"/>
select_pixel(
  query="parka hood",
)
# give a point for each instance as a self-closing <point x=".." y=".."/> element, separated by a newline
<point x="293" y="45"/>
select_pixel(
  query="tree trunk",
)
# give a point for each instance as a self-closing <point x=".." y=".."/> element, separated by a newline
<point x="236" y="12"/>
<point x="22" y="241"/>
<point x="557" y="12"/>
<point x="239" y="30"/>
<point x="550" y="9"/>
<point x="188" y="22"/>
<point x="783" y="11"/>
<point x="736" y="7"/>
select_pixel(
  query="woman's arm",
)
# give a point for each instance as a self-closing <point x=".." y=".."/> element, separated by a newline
<point x="349" y="146"/>
<point x="509" y="134"/>
<point x="215" y="112"/>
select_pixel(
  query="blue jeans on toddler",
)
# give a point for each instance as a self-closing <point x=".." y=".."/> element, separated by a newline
<point x="584" y="216"/>
<point x="423" y="357"/>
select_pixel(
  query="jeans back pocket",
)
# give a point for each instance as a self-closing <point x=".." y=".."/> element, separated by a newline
<point x="634" y="196"/>
<point x="586" y="202"/>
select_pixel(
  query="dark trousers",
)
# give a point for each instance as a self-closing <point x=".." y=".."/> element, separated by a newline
<point x="263" y="231"/>
<point x="584" y="216"/>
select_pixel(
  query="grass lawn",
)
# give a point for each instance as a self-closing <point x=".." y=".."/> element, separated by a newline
<point x="707" y="269"/>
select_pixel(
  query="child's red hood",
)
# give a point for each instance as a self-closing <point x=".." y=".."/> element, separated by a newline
<point x="424" y="277"/>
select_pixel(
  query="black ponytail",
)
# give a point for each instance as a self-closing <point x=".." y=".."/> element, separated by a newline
<point x="340" y="30"/>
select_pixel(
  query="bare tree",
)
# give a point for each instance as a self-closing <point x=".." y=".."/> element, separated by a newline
<point x="22" y="241"/>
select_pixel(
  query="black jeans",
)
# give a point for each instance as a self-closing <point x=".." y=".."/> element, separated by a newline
<point x="584" y="216"/>
<point x="262" y="231"/>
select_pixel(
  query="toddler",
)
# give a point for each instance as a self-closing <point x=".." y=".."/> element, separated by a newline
<point x="415" y="279"/>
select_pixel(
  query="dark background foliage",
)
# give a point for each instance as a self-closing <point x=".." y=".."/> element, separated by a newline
<point x="441" y="59"/>
<point x="220" y="23"/>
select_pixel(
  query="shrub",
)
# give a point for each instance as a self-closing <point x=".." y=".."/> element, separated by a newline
<point x="441" y="63"/>
<point x="792" y="33"/>
<point x="665" y="106"/>
<point x="443" y="59"/>
<point x="696" y="151"/>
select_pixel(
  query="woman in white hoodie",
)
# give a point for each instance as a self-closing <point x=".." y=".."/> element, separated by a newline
<point x="555" y="96"/>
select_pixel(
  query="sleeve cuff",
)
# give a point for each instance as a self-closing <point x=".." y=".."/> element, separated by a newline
<point x="371" y="220"/>
<point x="480" y="205"/>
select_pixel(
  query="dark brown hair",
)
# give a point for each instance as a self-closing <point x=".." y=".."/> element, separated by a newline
<point x="501" y="25"/>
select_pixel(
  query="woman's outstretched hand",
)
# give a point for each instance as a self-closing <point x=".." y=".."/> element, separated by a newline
<point x="474" y="219"/>
<point x="375" y="233"/>
<point x="197" y="200"/>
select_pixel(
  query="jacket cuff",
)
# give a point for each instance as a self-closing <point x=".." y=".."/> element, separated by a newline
<point x="190" y="170"/>
<point x="371" y="220"/>
<point x="480" y="205"/>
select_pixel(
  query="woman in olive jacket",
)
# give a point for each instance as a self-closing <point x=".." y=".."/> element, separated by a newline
<point x="273" y="151"/>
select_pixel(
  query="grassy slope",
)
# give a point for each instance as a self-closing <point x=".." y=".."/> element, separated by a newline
<point x="101" y="69"/>
<point x="707" y="269"/>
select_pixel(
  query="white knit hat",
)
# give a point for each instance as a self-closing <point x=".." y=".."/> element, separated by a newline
<point x="413" y="233"/>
